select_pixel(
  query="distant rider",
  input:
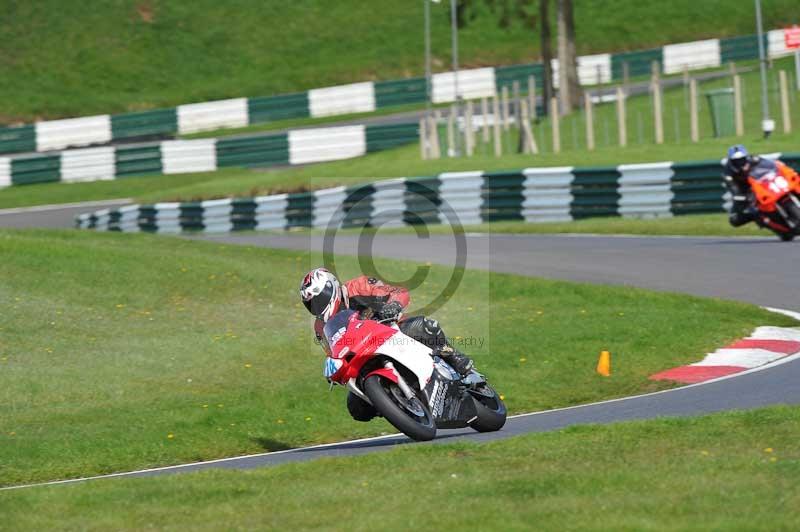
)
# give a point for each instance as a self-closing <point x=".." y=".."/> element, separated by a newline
<point x="738" y="168"/>
<point x="323" y="295"/>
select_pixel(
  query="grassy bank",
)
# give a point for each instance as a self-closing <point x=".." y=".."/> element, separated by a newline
<point x="140" y="351"/>
<point x="732" y="471"/>
<point x="140" y="54"/>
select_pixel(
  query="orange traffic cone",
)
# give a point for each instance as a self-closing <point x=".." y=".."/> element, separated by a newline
<point x="604" y="364"/>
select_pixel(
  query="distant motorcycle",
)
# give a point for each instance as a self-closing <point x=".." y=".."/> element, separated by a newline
<point x="397" y="375"/>
<point x="777" y="198"/>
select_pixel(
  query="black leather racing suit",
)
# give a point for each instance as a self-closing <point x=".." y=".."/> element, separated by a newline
<point x="743" y="209"/>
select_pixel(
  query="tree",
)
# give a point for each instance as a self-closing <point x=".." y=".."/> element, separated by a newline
<point x="568" y="84"/>
<point x="547" y="53"/>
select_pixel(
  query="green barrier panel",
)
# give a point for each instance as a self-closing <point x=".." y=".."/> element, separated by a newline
<point x="722" y="112"/>
<point x="160" y="123"/>
<point x="243" y="214"/>
<point x="300" y="210"/>
<point x="399" y="92"/>
<point x="383" y="137"/>
<point x="272" y="108"/>
<point x="639" y="63"/>
<point x="422" y="201"/>
<point x="253" y="151"/>
<point x="17" y="139"/>
<point x="191" y="216"/>
<point x="137" y="160"/>
<point x="739" y="48"/>
<point x="505" y="76"/>
<point x="503" y="194"/>
<point x="595" y="192"/>
<point x="697" y="187"/>
<point x="357" y="206"/>
<point x="35" y="169"/>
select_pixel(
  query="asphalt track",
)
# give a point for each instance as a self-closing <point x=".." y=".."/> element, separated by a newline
<point x="754" y="270"/>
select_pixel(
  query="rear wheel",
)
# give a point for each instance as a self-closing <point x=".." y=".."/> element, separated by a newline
<point x="491" y="410"/>
<point x="792" y="214"/>
<point x="411" y="417"/>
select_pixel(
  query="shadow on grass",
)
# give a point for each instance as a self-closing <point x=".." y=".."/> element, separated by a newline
<point x="271" y="445"/>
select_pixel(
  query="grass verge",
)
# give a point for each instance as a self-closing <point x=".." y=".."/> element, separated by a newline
<point x="138" y="351"/>
<point x="731" y="471"/>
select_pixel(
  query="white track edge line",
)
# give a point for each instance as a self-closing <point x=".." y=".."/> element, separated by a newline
<point x="60" y="206"/>
<point x="774" y="363"/>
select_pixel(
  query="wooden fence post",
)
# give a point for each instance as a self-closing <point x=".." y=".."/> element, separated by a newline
<point x="658" y="111"/>
<point x="485" y="115"/>
<point x="737" y="103"/>
<point x="469" y="139"/>
<point x="555" y="117"/>
<point x="423" y="140"/>
<point x="433" y="135"/>
<point x="693" y="118"/>
<point x="451" y="132"/>
<point x="516" y="93"/>
<point x="532" y="96"/>
<point x="589" y="111"/>
<point x="498" y="143"/>
<point x="622" y="125"/>
<point x="504" y="108"/>
<point x="527" y="139"/>
<point x="786" y="116"/>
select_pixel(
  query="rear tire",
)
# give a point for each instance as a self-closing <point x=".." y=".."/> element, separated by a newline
<point x="491" y="411"/>
<point x="792" y="213"/>
<point x="420" y="429"/>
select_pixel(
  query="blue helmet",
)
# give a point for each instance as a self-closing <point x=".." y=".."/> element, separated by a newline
<point x="738" y="157"/>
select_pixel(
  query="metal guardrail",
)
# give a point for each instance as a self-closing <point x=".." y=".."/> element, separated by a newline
<point x="459" y="198"/>
<point x="369" y="96"/>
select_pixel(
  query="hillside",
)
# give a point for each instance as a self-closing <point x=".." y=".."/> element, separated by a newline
<point x="60" y="59"/>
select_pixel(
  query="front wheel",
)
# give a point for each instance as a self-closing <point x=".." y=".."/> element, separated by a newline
<point x="793" y="215"/>
<point x="491" y="410"/>
<point x="411" y="417"/>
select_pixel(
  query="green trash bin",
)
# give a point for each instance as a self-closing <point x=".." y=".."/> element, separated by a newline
<point x="720" y="102"/>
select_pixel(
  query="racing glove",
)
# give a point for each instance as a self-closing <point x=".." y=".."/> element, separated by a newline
<point x="390" y="311"/>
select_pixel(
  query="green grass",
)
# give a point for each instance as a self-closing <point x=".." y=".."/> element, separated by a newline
<point x="139" y="54"/>
<point x="111" y="343"/>
<point x="689" y="225"/>
<point x="405" y="161"/>
<point x="731" y="471"/>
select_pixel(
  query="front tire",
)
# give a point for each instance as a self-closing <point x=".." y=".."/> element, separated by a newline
<point x="793" y="214"/>
<point x="384" y="399"/>
<point x="491" y="410"/>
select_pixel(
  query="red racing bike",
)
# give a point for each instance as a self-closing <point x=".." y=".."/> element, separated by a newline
<point x="777" y="198"/>
<point x="416" y="392"/>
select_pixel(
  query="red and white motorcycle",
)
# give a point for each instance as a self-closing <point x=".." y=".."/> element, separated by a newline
<point x="414" y="391"/>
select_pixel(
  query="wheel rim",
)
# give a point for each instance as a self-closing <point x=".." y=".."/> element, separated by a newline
<point x="413" y="407"/>
<point x="488" y="398"/>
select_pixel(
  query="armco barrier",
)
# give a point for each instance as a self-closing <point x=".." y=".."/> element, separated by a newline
<point x="369" y="96"/>
<point x="204" y="155"/>
<point x="466" y="198"/>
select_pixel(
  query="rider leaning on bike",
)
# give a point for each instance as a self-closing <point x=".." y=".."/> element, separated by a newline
<point x="739" y="166"/>
<point x="323" y="296"/>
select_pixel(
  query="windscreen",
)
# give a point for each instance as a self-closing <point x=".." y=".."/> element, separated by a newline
<point x="335" y="328"/>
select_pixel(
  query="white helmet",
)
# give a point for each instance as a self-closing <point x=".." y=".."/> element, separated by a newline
<point x="322" y="293"/>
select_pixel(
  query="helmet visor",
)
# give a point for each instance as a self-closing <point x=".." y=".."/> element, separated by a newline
<point x="317" y="304"/>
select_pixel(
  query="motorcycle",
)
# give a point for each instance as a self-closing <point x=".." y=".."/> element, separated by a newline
<point x="777" y="198"/>
<point x="416" y="392"/>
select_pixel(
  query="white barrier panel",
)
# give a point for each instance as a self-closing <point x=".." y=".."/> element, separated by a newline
<point x="271" y="211"/>
<point x="89" y="164"/>
<point x="547" y="194"/>
<point x="208" y="116"/>
<point x="168" y="217"/>
<point x="592" y="69"/>
<point x="60" y="134"/>
<point x="776" y="44"/>
<point x="645" y="190"/>
<point x="217" y="215"/>
<point x="342" y="99"/>
<point x="461" y="192"/>
<point x="327" y="204"/>
<point x="5" y="172"/>
<point x="475" y="83"/>
<point x="326" y="144"/>
<point x="388" y="203"/>
<point x="694" y="55"/>
<point x="129" y="219"/>
<point x="183" y="156"/>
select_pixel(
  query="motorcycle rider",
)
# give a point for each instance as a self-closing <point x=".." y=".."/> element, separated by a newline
<point x="739" y="166"/>
<point x="323" y="296"/>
